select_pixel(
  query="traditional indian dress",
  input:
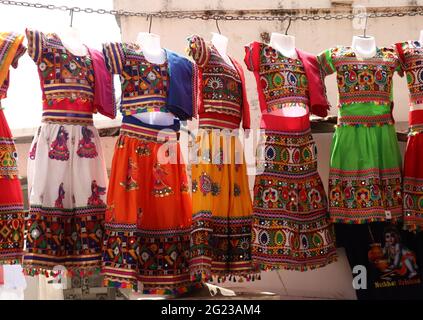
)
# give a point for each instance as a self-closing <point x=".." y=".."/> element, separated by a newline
<point x="221" y="235"/>
<point x="67" y="175"/>
<point x="411" y="55"/>
<point x="11" y="202"/>
<point x="291" y="227"/>
<point x="365" y="166"/>
<point x="149" y="205"/>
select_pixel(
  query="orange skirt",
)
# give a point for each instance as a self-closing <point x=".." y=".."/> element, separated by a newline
<point x="222" y="210"/>
<point x="148" y="219"/>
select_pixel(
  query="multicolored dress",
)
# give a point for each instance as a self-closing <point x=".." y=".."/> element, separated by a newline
<point x="365" y="166"/>
<point x="221" y="235"/>
<point x="148" y="218"/>
<point x="11" y="201"/>
<point x="291" y="227"/>
<point x="67" y="177"/>
<point x="411" y="54"/>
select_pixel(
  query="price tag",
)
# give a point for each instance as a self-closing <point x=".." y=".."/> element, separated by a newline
<point x="388" y="214"/>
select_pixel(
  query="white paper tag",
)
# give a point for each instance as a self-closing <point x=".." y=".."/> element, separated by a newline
<point x="388" y="214"/>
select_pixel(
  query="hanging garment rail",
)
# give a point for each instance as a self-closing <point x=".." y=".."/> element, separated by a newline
<point x="253" y="15"/>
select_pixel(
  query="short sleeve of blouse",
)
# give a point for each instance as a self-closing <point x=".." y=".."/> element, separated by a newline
<point x="252" y="56"/>
<point x="115" y="57"/>
<point x="19" y="53"/>
<point x="400" y="49"/>
<point x="35" y="44"/>
<point x="326" y="62"/>
<point x="198" y="50"/>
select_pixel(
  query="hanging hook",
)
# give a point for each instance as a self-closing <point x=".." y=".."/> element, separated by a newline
<point x="71" y="16"/>
<point x="151" y="21"/>
<point x="217" y="25"/>
<point x="365" y="25"/>
<point x="289" y="25"/>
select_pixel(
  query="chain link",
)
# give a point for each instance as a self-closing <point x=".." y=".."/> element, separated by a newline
<point x="210" y="15"/>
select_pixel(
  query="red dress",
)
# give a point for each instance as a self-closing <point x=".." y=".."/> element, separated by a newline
<point x="411" y="54"/>
<point x="291" y="227"/>
<point x="11" y="201"/>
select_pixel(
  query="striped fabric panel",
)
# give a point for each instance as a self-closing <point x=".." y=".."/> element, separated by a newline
<point x="149" y="100"/>
<point x="367" y="120"/>
<point x="147" y="133"/>
<point x="35" y="44"/>
<point x="217" y="123"/>
<point x="71" y="117"/>
<point x="115" y="57"/>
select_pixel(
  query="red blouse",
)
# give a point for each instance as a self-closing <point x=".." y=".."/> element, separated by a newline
<point x="67" y="80"/>
<point x="411" y="57"/>
<point x="284" y="82"/>
<point x="222" y="98"/>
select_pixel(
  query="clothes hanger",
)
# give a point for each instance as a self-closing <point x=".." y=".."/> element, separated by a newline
<point x="217" y="26"/>
<point x="289" y="25"/>
<point x="151" y="21"/>
<point x="365" y="27"/>
<point x="71" y="16"/>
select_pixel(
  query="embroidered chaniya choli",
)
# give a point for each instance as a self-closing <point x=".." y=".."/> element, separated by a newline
<point x="67" y="177"/>
<point x="291" y="227"/>
<point x="222" y="208"/>
<point x="11" y="200"/>
<point x="365" y="164"/>
<point x="148" y="220"/>
<point x="411" y="56"/>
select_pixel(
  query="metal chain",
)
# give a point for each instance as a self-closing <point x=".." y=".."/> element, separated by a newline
<point x="212" y="15"/>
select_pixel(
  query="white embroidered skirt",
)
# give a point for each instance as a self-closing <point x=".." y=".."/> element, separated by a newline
<point x="67" y="182"/>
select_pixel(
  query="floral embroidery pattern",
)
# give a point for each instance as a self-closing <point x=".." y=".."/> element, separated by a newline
<point x="225" y="241"/>
<point x="142" y="80"/>
<point x="291" y="227"/>
<point x="361" y="82"/>
<point x="208" y="186"/>
<point x="145" y="254"/>
<point x="283" y="80"/>
<point x="59" y="70"/>
<point x="52" y="235"/>
<point x="221" y="83"/>
<point x="413" y="66"/>
<point x="143" y="149"/>
<point x="357" y="198"/>
<point x="8" y="158"/>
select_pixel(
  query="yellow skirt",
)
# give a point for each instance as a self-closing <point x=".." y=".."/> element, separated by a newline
<point x="222" y="210"/>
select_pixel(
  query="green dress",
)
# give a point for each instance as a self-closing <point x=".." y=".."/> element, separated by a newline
<point x="365" y="163"/>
